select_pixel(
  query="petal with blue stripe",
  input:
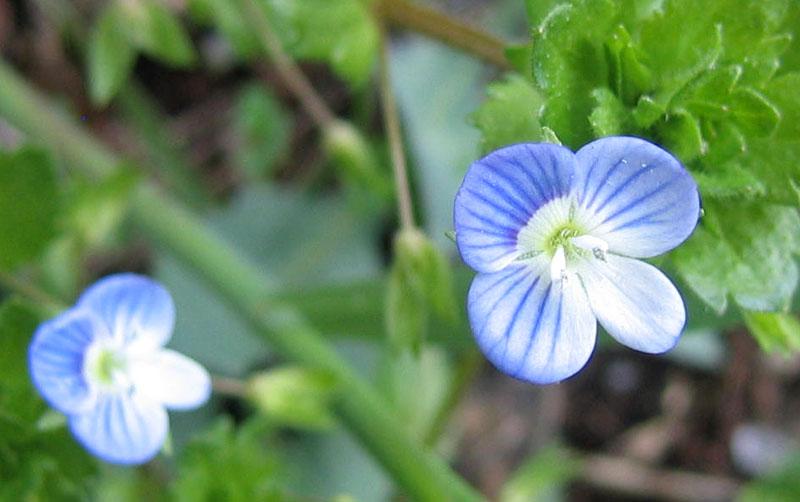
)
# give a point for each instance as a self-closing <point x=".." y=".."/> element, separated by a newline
<point x="56" y="359"/>
<point x="138" y="311"/>
<point x="122" y="428"/>
<point x="640" y="199"/>
<point x="530" y="327"/>
<point x="500" y="193"/>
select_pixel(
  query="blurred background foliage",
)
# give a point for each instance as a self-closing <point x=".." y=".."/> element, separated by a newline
<point x="293" y="168"/>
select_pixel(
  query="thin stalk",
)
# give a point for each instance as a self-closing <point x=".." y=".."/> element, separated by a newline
<point x="229" y="387"/>
<point x="391" y="123"/>
<point x="453" y="32"/>
<point x="30" y="290"/>
<point x="418" y="471"/>
<point x="291" y="74"/>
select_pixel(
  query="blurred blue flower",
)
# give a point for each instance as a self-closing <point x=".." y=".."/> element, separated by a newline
<point x="102" y="363"/>
<point x="554" y="236"/>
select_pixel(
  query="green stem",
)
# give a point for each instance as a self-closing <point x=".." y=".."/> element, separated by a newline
<point x="422" y="474"/>
<point x="409" y="15"/>
<point x="392" y="125"/>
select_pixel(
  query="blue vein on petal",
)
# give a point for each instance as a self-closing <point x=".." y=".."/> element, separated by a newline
<point x="488" y="221"/>
<point x="530" y="177"/>
<point x="513" y="322"/>
<point x="589" y="177"/>
<point x="496" y="207"/>
<point x="534" y="333"/>
<point x="500" y="299"/>
<point x="621" y="187"/>
<point x="638" y="201"/>
<point x="556" y="188"/>
<point x="511" y="182"/>
<point x="602" y="183"/>
<point x="463" y="227"/>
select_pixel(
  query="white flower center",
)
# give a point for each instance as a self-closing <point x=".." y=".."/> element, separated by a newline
<point x="559" y="231"/>
<point x="106" y="366"/>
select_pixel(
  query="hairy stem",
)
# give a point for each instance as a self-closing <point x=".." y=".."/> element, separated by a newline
<point x="418" y="471"/>
<point x="409" y="15"/>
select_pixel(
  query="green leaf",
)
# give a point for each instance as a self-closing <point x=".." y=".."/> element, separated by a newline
<point x="756" y="115"/>
<point x="19" y="403"/>
<point x="680" y="134"/>
<point x="780" y="486"/>
<point x="510" y="114"/>
<point x="775" y="331"/>
<point x="227" y="17"/>
<point x="746" y="251"/>
<point x="263" y="129"/>
<point x="340" y="32"/>
<point x="29" y="204"/>
<point x="294" y="396"/>
<point x="728" y="181"/>
<point x="153" y="28"/>
<point x="569" y="62"/>
<point x="356" y="162"/>
<point x="224" y="463"/>
<point x="420" y="282"/>
<point x="542" y="476"/>
<point x="97" y="209"/>
<point x="609" y="116"/>
<point x="110" y="55"/>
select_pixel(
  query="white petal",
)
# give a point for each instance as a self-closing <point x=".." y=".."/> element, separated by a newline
<point x="136" y="309"/>
<point x="122" y="428"/>
<point x="642" y="201"/>
<point x="171" y="379"/>
<point x="529" y="327"/>
<point x="635" y="302"/>
<point x="500" y="193"/>
<point x="56" y="359"/>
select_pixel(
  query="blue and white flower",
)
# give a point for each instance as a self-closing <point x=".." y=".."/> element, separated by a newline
<point x="102" y="364"/>
<point x="555" y="236"/>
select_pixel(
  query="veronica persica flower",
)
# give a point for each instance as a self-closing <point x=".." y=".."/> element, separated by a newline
<point x="102" y="364"/>
<point x="555" y="237"/>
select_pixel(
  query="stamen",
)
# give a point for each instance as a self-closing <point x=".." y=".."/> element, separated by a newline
<point x="596" y="245"/>
<point x="558" y="265"/>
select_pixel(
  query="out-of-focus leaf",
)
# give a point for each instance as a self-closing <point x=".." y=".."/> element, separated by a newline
<point x="541" y="477"/>
<point x="263" y="131"/>
<point x="775" y="331"/>
<point x="29" y="204"/>
<point x="154" y="29"/>
<point x="745" y="250"/>
<point x="510" y="114"/>
<point x="420" y="283"/>
<point x="230" y="464"/>
<point x="110" y="55"/>
<point x="96" y="210"/>
<point x="294" y="396"/>
<point x="680" y="134"/>
<point x="340" y="32"/>
<point x="781" y="486"/>
<point x="227" y="17"/>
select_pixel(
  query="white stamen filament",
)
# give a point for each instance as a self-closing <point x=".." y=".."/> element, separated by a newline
<point x="589" y="243"/>
<point x="558" y="265"/>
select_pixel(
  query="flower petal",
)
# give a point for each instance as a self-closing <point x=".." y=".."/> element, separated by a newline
<point x="137" y="309"/>
<point x="122" y="428"/>
<point x="171" y="378"/>
<point x="635" y="302"/>
<point x="56" y="355"/>
<point x="500" y="193"/>
<point x="530" y="327"/>
<point x="643" y="201"/>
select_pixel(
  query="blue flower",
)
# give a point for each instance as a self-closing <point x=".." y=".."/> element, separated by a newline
<point x="554" y="236"/>
<point x="102" y="364"/>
